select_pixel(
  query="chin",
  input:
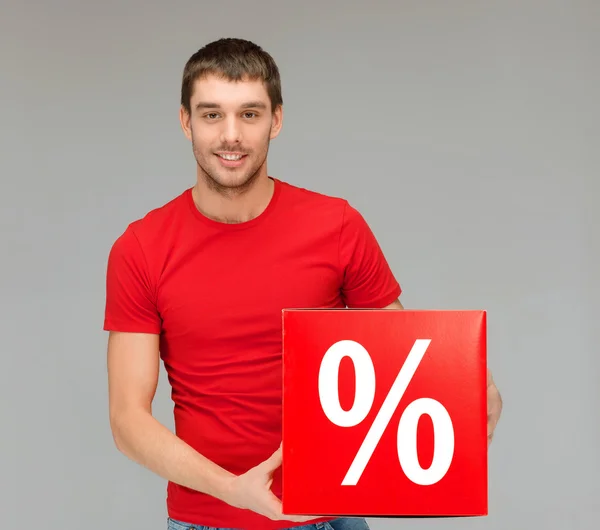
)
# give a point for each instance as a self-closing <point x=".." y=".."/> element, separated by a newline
<point x="230" y="182"/>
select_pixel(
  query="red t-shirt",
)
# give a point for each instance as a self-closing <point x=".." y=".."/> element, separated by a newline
<point x="214" y="292"/>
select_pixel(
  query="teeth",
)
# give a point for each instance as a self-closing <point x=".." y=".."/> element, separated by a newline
<point x="231" y="157"/>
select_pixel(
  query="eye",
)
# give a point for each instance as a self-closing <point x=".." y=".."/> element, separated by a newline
<point x="211" y="115"/>
<point x="249" y="114"/>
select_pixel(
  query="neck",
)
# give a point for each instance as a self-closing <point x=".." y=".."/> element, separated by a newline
<point x="233" y="205"/>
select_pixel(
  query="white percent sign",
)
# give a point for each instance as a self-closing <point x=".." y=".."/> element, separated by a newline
<point x="363" y="401"/>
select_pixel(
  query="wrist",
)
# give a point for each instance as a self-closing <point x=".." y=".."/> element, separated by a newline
<point x="225" y="489"/>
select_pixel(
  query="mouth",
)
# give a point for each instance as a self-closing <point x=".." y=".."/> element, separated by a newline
<point x="231" y="159"/>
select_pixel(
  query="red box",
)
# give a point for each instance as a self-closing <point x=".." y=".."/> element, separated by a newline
<point x="351" y="448"/>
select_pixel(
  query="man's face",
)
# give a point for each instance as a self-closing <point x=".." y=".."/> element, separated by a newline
<point x="231" y="126"/>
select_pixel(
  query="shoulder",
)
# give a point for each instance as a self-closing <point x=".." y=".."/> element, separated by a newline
<point x="320" y="206"/>
<point x="158" y="220"/>
<point x="312" y="202"/>
<point x="148" y="232"/>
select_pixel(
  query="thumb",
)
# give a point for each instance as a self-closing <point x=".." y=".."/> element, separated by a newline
<point x="274" y="461"/>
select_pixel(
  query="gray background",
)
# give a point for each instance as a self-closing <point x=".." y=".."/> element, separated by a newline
<point x="466" y="133"/>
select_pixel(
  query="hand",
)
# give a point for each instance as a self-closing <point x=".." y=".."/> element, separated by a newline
<point x="252" y="491"/>
<point x="494" y="407"/>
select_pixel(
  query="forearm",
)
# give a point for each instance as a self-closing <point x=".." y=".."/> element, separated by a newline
<point x="143" y="439"/>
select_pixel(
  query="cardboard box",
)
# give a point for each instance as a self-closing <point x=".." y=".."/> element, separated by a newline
<point x="384" y="413"/>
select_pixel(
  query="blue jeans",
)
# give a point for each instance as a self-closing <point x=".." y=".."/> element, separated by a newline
<point x="342" y="523"/>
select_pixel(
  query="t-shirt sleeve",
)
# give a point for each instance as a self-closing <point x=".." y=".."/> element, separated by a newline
<point x="130" y="296"/>
<point x="367" y="280"/>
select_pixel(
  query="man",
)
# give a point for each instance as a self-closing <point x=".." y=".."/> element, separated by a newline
<point x="201" y="281"/>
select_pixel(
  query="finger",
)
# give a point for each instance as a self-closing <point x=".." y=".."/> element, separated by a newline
<point x="494" y="404"/>
<point x="294" y="518"/>
<point x="276" y="509"/>
<point x="274" y="461"/>
<point x="491" y="424"/>
<point x="495" y="410"/>
<point x="300" y="518"/>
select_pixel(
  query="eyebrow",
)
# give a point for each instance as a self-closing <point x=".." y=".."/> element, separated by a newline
<point x="247" y="105"/>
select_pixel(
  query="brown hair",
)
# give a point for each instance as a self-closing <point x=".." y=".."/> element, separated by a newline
<point x="233" y="59"/>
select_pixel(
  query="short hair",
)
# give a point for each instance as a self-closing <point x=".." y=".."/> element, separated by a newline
<point x="233" y="59"/>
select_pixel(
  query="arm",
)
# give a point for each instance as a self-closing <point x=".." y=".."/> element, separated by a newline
<point x="133" y="365"/>
<point x="494" y="399"/>
<point x="396" y="304"/>
<point x="369" y="282"/>
<point x="133" y="368"/>
<point x="134" y="323"/>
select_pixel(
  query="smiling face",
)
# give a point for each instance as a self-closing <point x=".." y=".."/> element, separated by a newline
<point x="230" y="126"/>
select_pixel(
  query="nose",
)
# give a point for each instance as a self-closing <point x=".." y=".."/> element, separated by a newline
<point x="231" y="132"/>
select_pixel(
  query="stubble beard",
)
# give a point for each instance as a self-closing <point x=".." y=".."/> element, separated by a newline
<point x="211" y="175"/>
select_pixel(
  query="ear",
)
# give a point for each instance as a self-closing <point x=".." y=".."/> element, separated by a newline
<point x="184" y="119"/>
<point x="277" y="121"/>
